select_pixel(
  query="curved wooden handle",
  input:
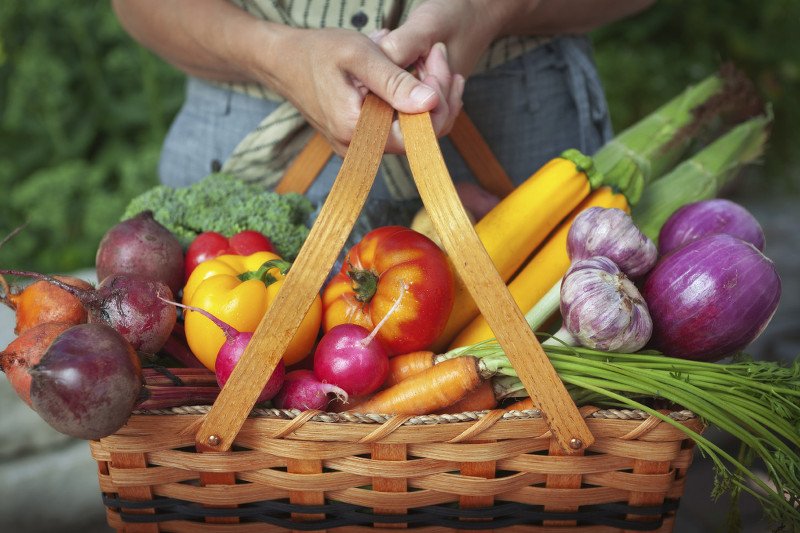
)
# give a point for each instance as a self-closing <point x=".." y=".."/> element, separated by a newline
<point x="487" y="288"/>
<point x="327" y="237"/>
<point x="304" y="280"/>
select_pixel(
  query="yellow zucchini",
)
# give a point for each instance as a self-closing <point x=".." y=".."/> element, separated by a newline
<point x="516" y="226"/>
<point x="544" y="269"/>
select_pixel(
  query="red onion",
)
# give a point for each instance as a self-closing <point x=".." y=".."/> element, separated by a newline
<point x="610" y="232"/>
<point x="602" y="309"/>
<point x="711" y="298"/>
<point x="707" y="217"/>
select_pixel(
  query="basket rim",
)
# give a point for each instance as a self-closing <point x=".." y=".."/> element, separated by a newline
<point x="313" y="415"/>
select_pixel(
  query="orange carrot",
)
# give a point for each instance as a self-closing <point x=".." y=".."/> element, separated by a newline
<point x="521" y="405"/>
<point x="406" y="365"/>
<point x="429" y="391"/>
<point x="480" y="399"/>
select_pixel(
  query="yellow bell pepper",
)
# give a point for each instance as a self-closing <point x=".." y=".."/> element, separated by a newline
<point x="238" y="290"/>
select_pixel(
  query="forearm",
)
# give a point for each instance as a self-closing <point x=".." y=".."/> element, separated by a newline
<point x="550" y="17"/>
<point x="212" y="39"/>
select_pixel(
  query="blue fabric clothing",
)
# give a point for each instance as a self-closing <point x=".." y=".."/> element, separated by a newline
<point x="529" y="110"/>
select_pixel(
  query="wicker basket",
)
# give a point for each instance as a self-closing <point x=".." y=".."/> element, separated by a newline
<point x="229" y="467"/>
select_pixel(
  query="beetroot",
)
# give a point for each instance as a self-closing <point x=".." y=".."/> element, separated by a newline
<point x="42" y="302"/>
<point x="132" y="305"/>
<point x="143" y="247"/>
<point x="26" y="351"/>
<point x="87" y="382"/>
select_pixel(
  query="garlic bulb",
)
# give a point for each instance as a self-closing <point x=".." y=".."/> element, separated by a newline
<point x="602" y="309"/>
<point x="610" y="232"/>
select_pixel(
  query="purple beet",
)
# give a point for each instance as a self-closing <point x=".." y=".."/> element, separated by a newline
<point x="143" y="247"/>
<point x="132" y="305"/>
<point x="87" y="382"/>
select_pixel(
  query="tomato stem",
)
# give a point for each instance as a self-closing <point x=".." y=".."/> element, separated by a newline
<point x="365" y="283"/>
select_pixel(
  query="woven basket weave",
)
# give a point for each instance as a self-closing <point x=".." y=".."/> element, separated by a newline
<point x="437" y="473"/>
<point x="230" y="468"/>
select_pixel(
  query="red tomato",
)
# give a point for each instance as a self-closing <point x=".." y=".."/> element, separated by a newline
<point x="248" y="242"/>
<point x="211" y="244"/>
<point x="393" y="264"/>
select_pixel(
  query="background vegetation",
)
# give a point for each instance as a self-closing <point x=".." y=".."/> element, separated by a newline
<point x="83" y="108"/>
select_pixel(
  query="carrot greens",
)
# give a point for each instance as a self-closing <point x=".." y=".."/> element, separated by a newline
<point x="756" y="402"/>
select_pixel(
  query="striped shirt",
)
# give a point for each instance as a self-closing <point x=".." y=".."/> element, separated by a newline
<point x="262" y="156"/>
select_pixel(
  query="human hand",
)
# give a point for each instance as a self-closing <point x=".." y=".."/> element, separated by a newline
<point x="326" y="73"/>
<point x="466" y="27"/>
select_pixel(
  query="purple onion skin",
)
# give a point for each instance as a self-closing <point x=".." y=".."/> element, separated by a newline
<point x="708" y="217"/>
<point x="87" y="382"/>
<point x="610" y="232"/>
<point x="711" y="298"/>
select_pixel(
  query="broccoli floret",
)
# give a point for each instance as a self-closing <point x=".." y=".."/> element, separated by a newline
<point x="225" y="204"/>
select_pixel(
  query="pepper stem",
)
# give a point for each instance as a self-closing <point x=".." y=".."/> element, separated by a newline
<point x="365" y="283"/>
<point x="263" y="273"/>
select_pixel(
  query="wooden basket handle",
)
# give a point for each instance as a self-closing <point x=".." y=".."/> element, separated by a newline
<point x="466" y="139"/>
<point x="327" y="237"/>
<point x="475" y="267"/>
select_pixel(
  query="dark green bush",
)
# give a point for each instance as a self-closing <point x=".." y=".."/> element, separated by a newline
<point x="82" y="112"/>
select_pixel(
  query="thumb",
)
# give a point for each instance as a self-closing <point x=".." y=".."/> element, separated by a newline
<point x="397" y="87"/>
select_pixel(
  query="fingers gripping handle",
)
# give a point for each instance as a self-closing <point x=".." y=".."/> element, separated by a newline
<point x="475" y="267"/>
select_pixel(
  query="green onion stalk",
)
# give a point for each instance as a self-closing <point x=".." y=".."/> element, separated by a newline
<point x="645" y="151"/>
<point x="702" y="176"/>
<point x="756" y="402"/>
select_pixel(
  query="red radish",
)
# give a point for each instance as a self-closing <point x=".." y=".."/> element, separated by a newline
<point x="349" y="356"/>
<point x="25" y="351"/>
<point x="302" y="390"/>
<point x="141" y="246"/>
<point x="129" y="304"/>
<point x="231" y="351"/>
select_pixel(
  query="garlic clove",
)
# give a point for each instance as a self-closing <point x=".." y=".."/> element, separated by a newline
<point x="602" y="308"/>
<point x="611" y="232"/>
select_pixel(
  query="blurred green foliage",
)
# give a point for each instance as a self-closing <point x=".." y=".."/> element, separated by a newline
<point x="83" y="108"/>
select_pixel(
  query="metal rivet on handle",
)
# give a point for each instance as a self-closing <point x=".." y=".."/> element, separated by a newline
<point x="574" y="443"/>
<point x="214" y="440"/>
